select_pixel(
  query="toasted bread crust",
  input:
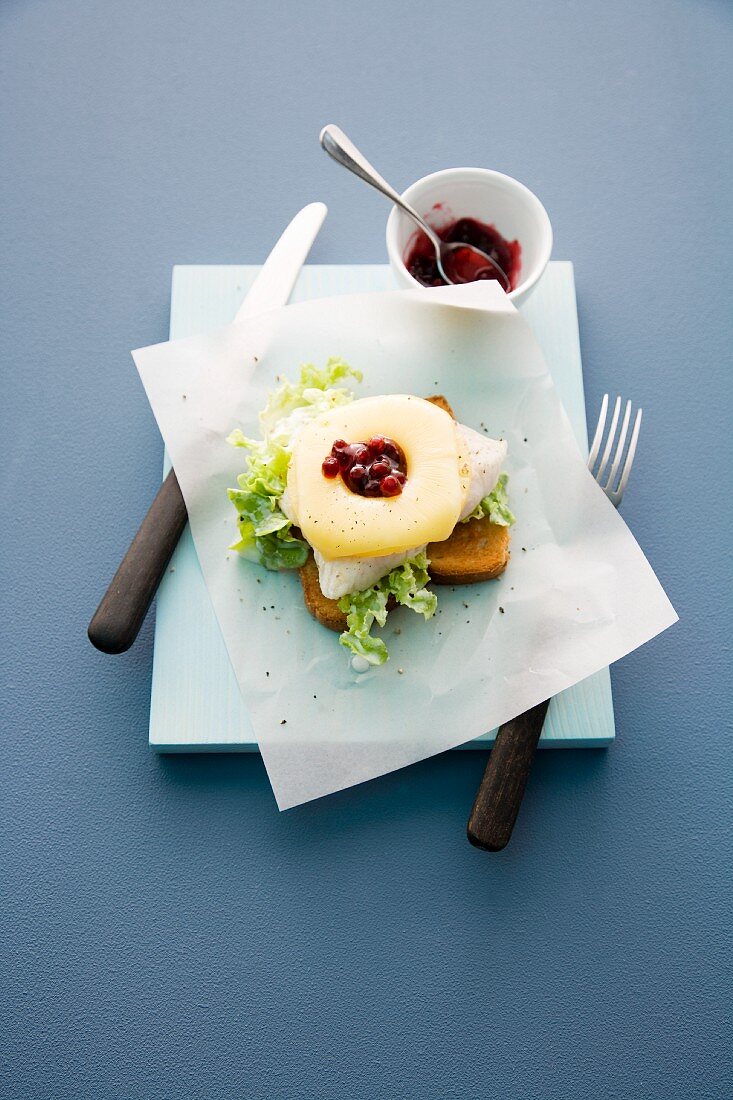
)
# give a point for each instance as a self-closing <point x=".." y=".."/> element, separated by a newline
<point x="476" y="551"/>
<point x="442" y="403"/>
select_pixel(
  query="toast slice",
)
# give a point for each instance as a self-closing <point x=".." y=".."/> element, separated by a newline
<point x="442" y="403"/>
<point x="476" y="551"/>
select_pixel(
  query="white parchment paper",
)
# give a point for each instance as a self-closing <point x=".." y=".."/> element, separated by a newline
<point x="577" y="595"/>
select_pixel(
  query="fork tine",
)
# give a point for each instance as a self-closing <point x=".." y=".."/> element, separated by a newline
<point x="620" y="449"/>
<point x="629" y="458"/>
<point x="595" y="446"/>
<point x="609" y="443"/>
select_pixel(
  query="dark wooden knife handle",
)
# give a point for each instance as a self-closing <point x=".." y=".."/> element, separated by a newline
<point x="500" y="794"/>
<point x="125" y="604"/>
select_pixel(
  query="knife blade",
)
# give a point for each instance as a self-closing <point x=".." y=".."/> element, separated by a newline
<point x="277" y="276"/>
<point x="116" y="622"/>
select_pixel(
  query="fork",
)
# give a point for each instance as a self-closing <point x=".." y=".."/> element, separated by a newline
<point x="500" y="794"/>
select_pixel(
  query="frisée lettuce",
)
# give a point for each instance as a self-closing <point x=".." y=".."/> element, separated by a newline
<point x="265" y="532"/>
<point x="495" y="505"/>
<point x="406" y="585"/>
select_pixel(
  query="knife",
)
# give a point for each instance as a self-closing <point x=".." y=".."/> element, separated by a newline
<point x="117" y="621"/>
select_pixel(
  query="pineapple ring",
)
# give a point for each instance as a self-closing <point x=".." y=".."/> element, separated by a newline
<point x="339" y="523"/>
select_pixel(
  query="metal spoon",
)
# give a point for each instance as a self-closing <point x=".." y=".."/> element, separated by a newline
<point x="344" y="152"/>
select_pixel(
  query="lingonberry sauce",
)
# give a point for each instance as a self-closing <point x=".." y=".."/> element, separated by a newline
<point x="376" y="468"/>
<point x="420" y="258"/>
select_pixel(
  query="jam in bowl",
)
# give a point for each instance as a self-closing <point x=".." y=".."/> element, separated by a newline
<point x="464" y="265"/>
<point x="478" y="206"/>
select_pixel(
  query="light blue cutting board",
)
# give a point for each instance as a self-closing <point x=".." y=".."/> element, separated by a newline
<point x="196" y="704"/>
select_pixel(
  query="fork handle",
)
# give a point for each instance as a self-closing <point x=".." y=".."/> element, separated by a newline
<point x="500" y="794"/>
<point x="117" y="620"/>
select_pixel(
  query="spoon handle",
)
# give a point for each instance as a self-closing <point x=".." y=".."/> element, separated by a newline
<point x="344" y="152"/>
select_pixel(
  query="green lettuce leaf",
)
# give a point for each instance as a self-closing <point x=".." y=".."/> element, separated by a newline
<point x="264" y="530"/>
<point x="406" y="584"/>
<point x="495" y="505"/>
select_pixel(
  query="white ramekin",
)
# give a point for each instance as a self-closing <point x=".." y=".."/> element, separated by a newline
<point x="488" y="196"/>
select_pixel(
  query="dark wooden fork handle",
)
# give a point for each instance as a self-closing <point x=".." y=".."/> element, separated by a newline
<point x="117" y="620"/>
<point x="500" y="794"/>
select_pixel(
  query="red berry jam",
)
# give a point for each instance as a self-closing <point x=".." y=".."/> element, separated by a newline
<point x="465" y="266"/>
<point x="376" y="468"/>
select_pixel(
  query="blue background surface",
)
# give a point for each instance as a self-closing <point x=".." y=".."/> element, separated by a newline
<point x="165" y="932"/>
